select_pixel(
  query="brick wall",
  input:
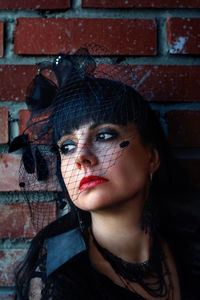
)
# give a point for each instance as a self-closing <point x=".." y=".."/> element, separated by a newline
<point x="157" y="41"/>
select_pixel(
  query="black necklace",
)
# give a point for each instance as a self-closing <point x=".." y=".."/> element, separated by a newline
<point x="148" y="274"/>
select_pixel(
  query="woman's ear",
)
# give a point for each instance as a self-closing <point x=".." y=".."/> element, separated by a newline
<point x="154" y="160"/>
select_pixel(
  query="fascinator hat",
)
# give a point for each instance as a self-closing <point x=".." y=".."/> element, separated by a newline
<point x="66" y="94"/>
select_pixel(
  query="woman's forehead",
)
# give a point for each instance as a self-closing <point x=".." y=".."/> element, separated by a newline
<point x="92" y="127"/>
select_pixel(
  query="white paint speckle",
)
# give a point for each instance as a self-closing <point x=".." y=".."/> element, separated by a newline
<point x="178" y="45"/>
<point x="143" y="79"/>
<point x="68" y="33"/>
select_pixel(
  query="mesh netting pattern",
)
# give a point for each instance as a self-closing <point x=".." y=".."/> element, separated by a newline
<point x="74" y="112"/>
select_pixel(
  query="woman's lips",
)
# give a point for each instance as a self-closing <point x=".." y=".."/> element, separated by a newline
<point x="91" y="181"/>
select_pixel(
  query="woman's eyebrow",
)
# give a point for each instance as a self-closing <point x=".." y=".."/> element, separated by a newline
<point x="73" y="131"/>
<point x="68" y="134"/>
<point x="93" y="126"/>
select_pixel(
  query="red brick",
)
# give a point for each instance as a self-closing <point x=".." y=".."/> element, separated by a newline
<point x="34" y="4"/>
<point x="1" y="39"/>
<point x="24" y="115"/>
<point x="7" y="297"/>
<point x="192" y="167"/>
<point x="9" y="172"/>
<point x="159" y="83"/>
<point x="9" y="176"/>
<point x="183" y="35"/>
<point x="156" y="83"/>
<point x="118" y="36"/>
<point x="15" y="220"/>
<point x="184" y="128"/>
<point x="14" y="81"/>
<point x="9" y="259"/>
<point x="3" y="125"/>
<point x="140" y="4"/>
<point x="33" y="136"/>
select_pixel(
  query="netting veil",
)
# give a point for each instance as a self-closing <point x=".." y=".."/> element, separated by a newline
<point x="65" y="96"/>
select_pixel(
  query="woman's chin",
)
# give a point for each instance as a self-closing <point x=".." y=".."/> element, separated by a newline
<point x="91" y="199"/>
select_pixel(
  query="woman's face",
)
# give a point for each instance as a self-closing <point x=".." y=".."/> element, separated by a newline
<point x="104" y="165"/>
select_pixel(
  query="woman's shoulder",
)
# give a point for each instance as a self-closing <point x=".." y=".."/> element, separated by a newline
<point x="62" y="248"/>
<point x="54" y="271"/>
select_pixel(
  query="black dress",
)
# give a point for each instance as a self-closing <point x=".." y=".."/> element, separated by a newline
<point x="66" y="272"/>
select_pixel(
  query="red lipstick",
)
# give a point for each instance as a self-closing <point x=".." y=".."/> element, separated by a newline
<point x="91" y="181"/>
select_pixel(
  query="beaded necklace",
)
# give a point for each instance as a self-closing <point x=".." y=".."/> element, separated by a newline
<point x="148" y="274"/>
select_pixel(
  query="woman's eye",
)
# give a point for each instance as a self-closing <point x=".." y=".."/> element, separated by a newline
<point x="105" y="136"/>
<point x="67" y="147"/>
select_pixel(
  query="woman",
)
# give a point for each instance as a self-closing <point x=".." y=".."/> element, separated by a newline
<point x="125" y="235"/>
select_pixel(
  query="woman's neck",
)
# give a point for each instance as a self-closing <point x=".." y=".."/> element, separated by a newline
<point x="119" y="231"/>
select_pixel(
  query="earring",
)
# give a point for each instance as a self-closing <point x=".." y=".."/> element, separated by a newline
<point x="147" y="213"/>
<point x="146" y="218"/>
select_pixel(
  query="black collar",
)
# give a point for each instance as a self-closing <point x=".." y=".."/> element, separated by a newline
<point x="63" y="247"/>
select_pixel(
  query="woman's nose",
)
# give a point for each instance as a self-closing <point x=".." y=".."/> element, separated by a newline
<point x="86" y="158"/>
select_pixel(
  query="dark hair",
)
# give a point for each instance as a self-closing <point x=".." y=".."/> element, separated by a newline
<point x="101" y="101"/>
